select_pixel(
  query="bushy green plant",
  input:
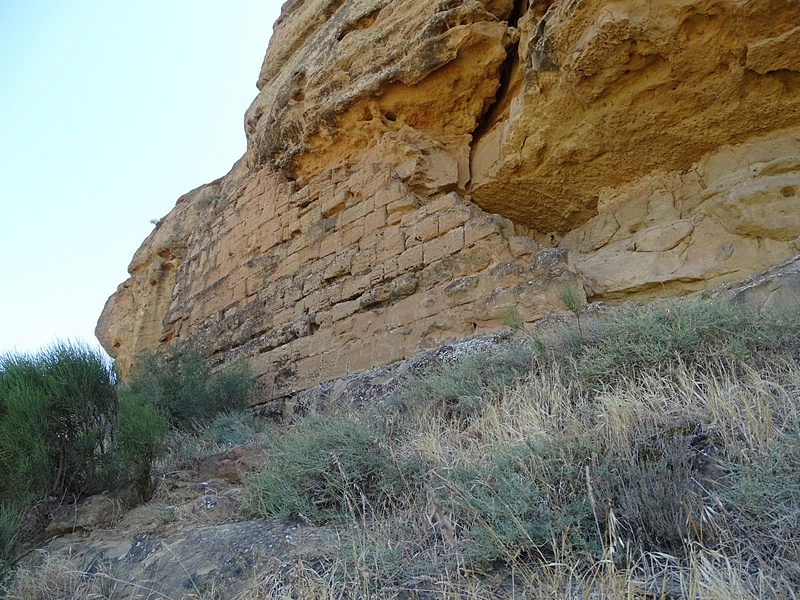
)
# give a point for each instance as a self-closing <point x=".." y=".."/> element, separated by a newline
<point x="26" y="464"/>
<point x="63" y="432"/>
<point x="761" y="496"/>
<point x="10" y="515"/>
<point x="573" y="302"/>
<point x="657" y="456"/>
<point x="571" y="298"/>
<point x="323" y="469"/>
<point x="182" y="384"/>
<point x="521" y="502"/>
<point x="206" y="199"/>
<point x="230" y="389"/>
<point x="56" y="413"/>
<point x="139" y="440"/>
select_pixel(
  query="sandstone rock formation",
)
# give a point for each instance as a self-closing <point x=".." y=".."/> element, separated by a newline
<point x="416" y="167"/>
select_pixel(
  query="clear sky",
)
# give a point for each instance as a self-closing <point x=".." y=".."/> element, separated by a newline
<point x="109" y="111"/>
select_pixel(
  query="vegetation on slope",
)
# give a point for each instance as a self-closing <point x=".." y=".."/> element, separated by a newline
<point x="653" y="453"/>
<point x="68" y="430"/>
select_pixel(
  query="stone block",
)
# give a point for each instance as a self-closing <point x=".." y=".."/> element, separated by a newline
<point x="421" y="232"/>
<point x="330" y="243"/>
<point x="311" y="218"/>
<point x="415" y="216"/>
<point x="442" y="203"/>
<point x="334" y="204"/>
<point x="390" y="192"/>
<point x="355" y="286"/>
<point x="357" y="211"/>
<point x="363" y="260"/>
<point x="522" y="246"/>
<point x="453" y="217"/>
<point x="392" y="243"/>
<point x="353" y="233"/>
<point x="445" y="245"/>
<point x="370" y="240"/>
<point x="374" y="220"/>
<point x="379" y="186"/>
<point x="344" y="309"/>
<point x="480" y="228"/>
<point x="338" y="267"/>
<point x="411" y="259"/>
<point x="401" y="206"/>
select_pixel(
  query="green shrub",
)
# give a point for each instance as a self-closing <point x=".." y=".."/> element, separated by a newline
<point x="321" y="470"/>
<point x="138" y="442"/>
<point x="26" y="466"/>
<point x="761" y="497"/>
<point x="542" y="498"/>
<point x="10" y="516"/>
<point x="63" y="432"/>
<point x="521" y="502"/>
<point x="181" y="383"/>
<point x="230" y="390"/>
<point x="56" y="414"/>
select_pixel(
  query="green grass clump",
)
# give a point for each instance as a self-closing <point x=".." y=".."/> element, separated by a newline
<point x="654" y="457"/>
<point x="762" y="497"/>
<point x="536" y="498"/>
<point x="636" y="338"/>
<point x="232" y="428"/>
<point x="65" y="434"/>
<point x="10" y="516"/>
<point x="323" y="470"/>
<point x="516" y="504"/>
<point x="460" y="391"/>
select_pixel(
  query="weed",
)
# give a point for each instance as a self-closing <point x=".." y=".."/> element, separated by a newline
<point x="57" y="409"/>
<point x="572" y="300"/>
<point x="64" y="434"/>
<point x="634" y="338"/>
<point x="205" y="200"/>
<point x="460" y="391"/>
<point x="232" y="428"/>
<point x="322" y="470"/>
<point x="670" y="471"/>
<point x="10" y="516"/>
<point x="55" y="577"/>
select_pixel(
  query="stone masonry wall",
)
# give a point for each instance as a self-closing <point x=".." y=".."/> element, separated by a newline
<point x="406" y="159"/>
<point x="350" y="272"/>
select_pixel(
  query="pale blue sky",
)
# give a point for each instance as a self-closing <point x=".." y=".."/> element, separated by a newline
<point x="109" y="111"/>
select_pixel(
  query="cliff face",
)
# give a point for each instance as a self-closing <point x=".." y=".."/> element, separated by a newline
<point x="414" y="167"/>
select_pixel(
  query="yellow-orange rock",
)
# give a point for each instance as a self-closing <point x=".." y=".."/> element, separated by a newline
<point x="604" y="93"/>
<point x="416" y="167"/>
<point x="734" y="213"/>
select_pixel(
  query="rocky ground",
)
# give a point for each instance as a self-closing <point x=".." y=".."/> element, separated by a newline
<point x="196" y="539"/>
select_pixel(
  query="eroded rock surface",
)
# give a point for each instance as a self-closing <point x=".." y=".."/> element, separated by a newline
<point x="414" y="168"/>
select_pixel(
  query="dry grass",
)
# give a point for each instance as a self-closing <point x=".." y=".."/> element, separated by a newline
<point x="675" y="476"/>
<point x="55" y="577"/>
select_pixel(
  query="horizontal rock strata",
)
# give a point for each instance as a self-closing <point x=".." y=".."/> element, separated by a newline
<point x="415" y="169"/>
